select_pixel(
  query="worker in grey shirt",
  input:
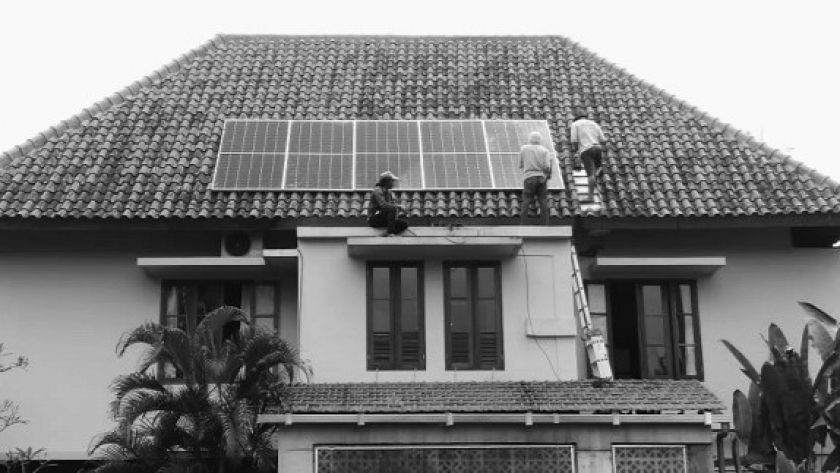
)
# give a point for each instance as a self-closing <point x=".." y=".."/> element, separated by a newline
<point x="536" y="164"/>
<point x="587" y="141"/>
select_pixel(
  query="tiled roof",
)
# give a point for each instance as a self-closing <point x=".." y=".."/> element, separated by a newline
<point x="519" y="396"/>
<point x="150" y="150"/>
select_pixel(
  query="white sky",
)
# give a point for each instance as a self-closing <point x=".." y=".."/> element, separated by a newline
<point x="768" y="67"/>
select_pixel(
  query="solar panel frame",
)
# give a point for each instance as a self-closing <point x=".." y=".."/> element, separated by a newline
<point x="352" y="146"/>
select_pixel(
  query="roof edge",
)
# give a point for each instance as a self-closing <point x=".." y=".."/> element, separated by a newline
<point x="19" y="151"/>
<point x="386" y="36"/>
<point x="726" y="128"/>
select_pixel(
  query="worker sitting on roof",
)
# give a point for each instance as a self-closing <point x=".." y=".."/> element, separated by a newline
<point x="535" y="162"/>
<point x="587" y="141"/>
<point x="382" y="211"/>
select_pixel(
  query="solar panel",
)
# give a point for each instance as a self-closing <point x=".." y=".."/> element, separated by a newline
<point x="405" y="165"/>
<point x="324" y="137"/>
<point x="461" y="171"/>
<point x="464" y="136"/>
<point x="509" y="136"/>
<point x="387" y="137"/>
<point x="319" y="171"/>
<point x="351" y="154"/>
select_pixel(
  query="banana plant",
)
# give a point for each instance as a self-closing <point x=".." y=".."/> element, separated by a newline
<point x="777" y="414"/>
<point x="785" y="414"/>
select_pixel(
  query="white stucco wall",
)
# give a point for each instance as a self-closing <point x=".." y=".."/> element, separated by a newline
<point x="65" y="301"/>
<point x="333" y="310"/>
<point x="66" y="312"/>
<point x="762" y="281"/>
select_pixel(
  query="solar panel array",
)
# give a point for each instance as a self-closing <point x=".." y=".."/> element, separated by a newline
<point x="351" y="154"/>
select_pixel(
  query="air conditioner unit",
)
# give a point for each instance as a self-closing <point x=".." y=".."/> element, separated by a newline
<point x="239" y="244"/>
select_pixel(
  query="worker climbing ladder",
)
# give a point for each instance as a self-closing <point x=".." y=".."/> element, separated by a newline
<point x="596" y="348"/>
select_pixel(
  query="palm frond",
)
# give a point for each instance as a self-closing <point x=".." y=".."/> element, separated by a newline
<point x="126" y="384"/>
<point x="746" y="367"/>
<point x="220" y="324"/>
<point x="149" y="333"/>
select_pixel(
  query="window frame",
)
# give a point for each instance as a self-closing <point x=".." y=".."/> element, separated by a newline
<point x="395" y="300"/>
<point x="248" y="285"/>
<point x="472" y="282"/>
<point x="669" y="302"/>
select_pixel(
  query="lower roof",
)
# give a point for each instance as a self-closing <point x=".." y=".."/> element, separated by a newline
<point x="641" y="396"/>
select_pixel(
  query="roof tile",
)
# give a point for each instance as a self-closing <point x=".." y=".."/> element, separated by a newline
<point x="149" y="150"/>
<point x="511" y="396"/>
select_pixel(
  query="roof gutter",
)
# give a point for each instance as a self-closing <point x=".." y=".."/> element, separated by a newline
<point x="525" y="418"/>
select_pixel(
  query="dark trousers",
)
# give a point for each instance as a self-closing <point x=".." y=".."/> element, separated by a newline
<point x="535" y="186"/>
<point x="387" y="218"/>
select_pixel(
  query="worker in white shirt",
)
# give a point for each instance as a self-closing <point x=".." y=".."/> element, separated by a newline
<point x="587" y="142"/>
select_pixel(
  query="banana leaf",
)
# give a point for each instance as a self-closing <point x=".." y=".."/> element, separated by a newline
<point x="760" y="449"/>
<point x="789" y="407"/>
<point x="821" y="339"/>
<point x="832" y="463"/>
<point x="784" y="465"/>
<point x="742" y="416"/>
<point x="746" y="367"/>
<point x="777" y="338"/>
<point x="803" y="350"/>
<point x="818" y="314"/>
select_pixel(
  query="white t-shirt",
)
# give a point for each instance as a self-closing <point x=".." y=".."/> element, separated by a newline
<point x="587" y="133"/>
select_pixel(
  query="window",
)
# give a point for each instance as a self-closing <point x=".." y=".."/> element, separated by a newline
<point x="185" y="304"/>
<point x="650" y="458"/>
<point x="395" y="317"/>
<point x="445" y="458"/>
<point x="472" y="292"/>
<point x="651" y="327"/>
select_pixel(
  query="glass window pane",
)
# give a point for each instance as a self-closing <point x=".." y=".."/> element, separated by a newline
<point x="409" y="320"/>
<point x="381" y="316"/>
<point x="657" y="362"/>
<point x="689" y="361"/>
<point x="652" y="300"/>
<point x="687" y="330"/>
<point x="176" y="300"/>
<point x="597" y="298"/>
<point x="232" y="294"/>
<point x="487" y="282"/>
<point x="460" y="319"/>
<point x="600" y="323"/>
<point x="265" y="299"/>
<point x="265" y="323"/>
<point x="458" y="282"/>
<point x="381" y="283"/>
<point x="654" y="330"/>
<point x="408" y="281"/>
<point x="685" y="299"/>
<point x="209" y="298"/>
<point x="487" y="321"/>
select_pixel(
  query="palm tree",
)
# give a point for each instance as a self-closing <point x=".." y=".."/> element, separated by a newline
<point x="207" y="421"/>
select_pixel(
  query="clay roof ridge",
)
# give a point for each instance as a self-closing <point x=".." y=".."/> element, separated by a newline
<point x="19" y="151"/>
<point x="719" y="125"/>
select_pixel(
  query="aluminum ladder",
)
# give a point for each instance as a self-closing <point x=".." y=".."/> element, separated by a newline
<point x="596" y="349"/>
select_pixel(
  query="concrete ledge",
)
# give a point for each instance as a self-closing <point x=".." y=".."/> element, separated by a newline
<point x="633" y="267"/>
<point x="551" y="327"/>
<point x="432" y="246"/>
<point x="525" y="231"/>
<point x="205" y="266"/>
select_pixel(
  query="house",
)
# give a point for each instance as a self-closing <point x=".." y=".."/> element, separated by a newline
<point x="456" y="346"/>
